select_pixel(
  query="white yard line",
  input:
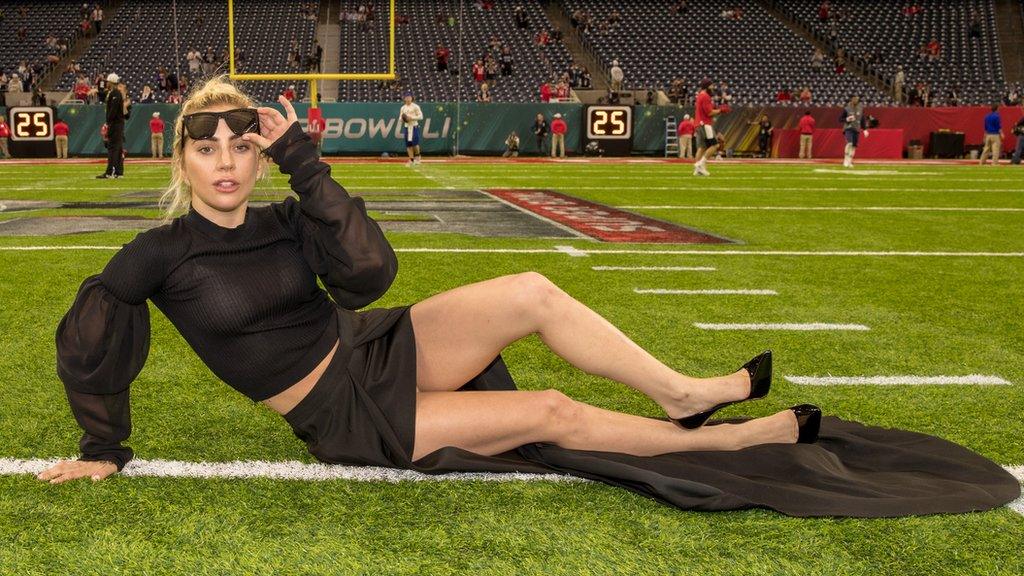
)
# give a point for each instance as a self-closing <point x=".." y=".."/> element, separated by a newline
<point x="823" y="208"/>
<point x="710" y="292"/>
<point x="564" y="250"/>
<point x="572" y="251"/>
<point x="288" y="470"/>
<point x="971" y="379"/>
<point x="782" y="326"/>
<point x="654" y="268"/>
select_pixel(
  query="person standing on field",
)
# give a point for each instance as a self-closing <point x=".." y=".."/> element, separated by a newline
<point x="540" y="131"/>
<point x="5" y="133"/>
<point x="156" y="136"/>
<point x="558" y="130"/>
<point x="707" y="137"/>
<point x="60" y="136"/>
<point x="806" y="126"/>
<point x="410" y="116"/>
<point x="1018" y="131"/>
<point x="993" y="136"/>
<point x="686" y="129"/>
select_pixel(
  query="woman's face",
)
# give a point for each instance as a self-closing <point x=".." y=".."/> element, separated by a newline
<point x="221" y="170"/>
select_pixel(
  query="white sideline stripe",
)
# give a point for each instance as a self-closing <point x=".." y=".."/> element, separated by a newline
<point x="629" y="251"/>
<point x="656" y="268"/>
<point x="713" y="292"/>
<point x="293" y="470"/>
<point x="824" y="208"/>
<point x="1018" y="504"/>
<point x="807" y="326"/>
<point x="572" y="251"/>
<point x="971" y="379"/>
<point x="287" y="470"/>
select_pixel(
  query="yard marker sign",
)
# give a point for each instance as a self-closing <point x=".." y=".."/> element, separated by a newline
<point x="601" y="222"/>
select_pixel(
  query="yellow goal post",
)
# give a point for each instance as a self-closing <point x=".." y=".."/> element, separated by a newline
<point x="313" y="77"/>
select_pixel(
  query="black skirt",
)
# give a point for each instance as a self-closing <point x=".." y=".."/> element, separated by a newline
<point x="363" y="411"/>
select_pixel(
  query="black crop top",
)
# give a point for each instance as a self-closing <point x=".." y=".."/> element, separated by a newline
<point x="245" y="299"/>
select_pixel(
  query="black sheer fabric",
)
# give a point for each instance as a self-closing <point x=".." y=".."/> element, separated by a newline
<point x="246" y="299"/>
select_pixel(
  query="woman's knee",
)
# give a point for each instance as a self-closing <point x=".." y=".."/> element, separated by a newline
<point x="535" y="293"/>
<point x="561" y="414"/>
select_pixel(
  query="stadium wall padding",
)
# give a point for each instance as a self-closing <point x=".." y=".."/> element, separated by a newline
<point x="372" y="128"/>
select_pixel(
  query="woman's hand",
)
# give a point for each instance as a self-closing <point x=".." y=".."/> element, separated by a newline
<point x="71" y="469"/>
<point x="272" y="124"/>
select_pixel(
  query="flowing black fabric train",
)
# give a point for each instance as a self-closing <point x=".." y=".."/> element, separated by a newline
<point x="363" y="411"/>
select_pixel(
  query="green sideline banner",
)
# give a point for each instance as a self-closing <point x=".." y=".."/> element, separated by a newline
<point x="475" y="128"/>
<point x="354" y="128"/>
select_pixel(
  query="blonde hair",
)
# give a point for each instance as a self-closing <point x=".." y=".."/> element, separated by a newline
<point x="215" y="91"/>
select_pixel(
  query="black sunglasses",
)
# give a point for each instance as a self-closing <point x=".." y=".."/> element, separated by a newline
<point x="201" y="125"/>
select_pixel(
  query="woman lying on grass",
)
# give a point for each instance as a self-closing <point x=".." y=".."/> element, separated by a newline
<point x="376" y="387"/>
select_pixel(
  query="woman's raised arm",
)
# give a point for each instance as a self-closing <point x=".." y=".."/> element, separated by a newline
<point x="343" y="245"/>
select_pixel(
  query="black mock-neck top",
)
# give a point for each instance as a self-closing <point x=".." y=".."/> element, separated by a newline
<point x="246" y="299"/>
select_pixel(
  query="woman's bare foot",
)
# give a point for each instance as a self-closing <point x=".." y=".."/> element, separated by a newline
<point x="695" y="395"/>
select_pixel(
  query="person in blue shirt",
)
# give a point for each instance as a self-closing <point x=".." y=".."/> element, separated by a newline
<point x="993" y="136"/>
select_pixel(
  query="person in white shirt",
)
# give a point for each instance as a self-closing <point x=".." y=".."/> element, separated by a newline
<point x="616" y="75"/>
<point x="410" y="116"/>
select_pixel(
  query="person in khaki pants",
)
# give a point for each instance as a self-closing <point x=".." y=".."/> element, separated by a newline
<point x="993" y="136"/>
<point x="156" y="136"/>
<point x="558" y="130"/>
<point x="60" y="137"/>
<point x="806" y="126"/>
<point x="686" y="129"/>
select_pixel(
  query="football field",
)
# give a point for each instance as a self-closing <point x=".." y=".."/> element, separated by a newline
<point x="890" y="294"/>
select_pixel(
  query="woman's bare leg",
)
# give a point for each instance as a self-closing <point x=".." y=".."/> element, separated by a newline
<point x="492" y="422"/>
<point x="459" y="332"/>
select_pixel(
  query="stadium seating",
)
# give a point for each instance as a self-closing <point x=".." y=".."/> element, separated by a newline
<point x="140" y="39"/>
<point x="975" y="64"/>
<point x="41" y="19"/>
<point x="366" y="51"/>
<point x="756" y="54"/>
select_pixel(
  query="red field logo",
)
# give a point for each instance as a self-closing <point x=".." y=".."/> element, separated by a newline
<point x="602" y="222"/>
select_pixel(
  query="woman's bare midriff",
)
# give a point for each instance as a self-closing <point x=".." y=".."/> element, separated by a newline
<point x="283" y="402"/>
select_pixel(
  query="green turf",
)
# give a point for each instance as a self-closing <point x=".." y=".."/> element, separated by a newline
<point x="928" y="315"/>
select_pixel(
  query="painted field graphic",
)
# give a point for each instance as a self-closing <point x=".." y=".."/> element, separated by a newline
<point x="599" y="221"/>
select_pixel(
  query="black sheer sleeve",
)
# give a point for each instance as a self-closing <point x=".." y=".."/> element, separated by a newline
<point x="343" y="245"/>
<point x="102" y="344"/>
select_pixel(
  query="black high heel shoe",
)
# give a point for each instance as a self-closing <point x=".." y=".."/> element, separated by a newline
<point x="760" y="369"/>
<point x="808" y="418"/>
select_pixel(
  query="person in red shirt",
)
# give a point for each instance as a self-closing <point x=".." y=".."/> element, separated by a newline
<point x="707" y="137"/>
<point x="290" y="93"/>
<point x="934" y="49"/>
<point x="156" y="136"/>
<point x="5" y="133"/>
<point x="558" y="130"/>
<point x="545" y="92"/>
<point x="60" y="136"/>
<point x="686" y="128"/>
<point x="784" y="95"/>
<point x="806" y="126"/>
<point x="315" y="128"/>
<point x="479" y="73"/>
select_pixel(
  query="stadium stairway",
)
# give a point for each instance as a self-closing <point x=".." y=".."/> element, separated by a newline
<point x="570" y="37"/>
<point x="799" y="30"/>
<point x="328" y="34"/>
<point x="1011" y="39"/>
<point x="49" y="82"/>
